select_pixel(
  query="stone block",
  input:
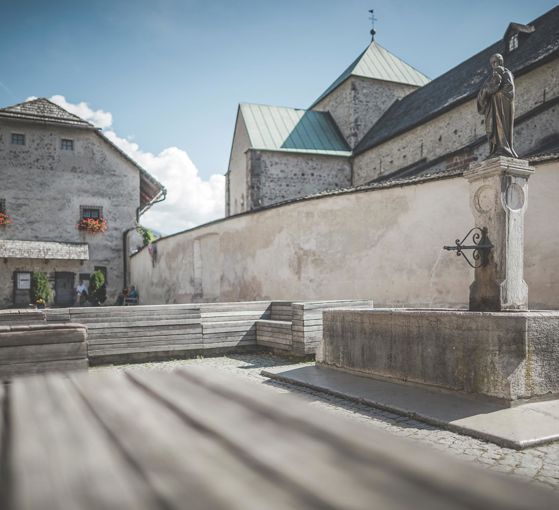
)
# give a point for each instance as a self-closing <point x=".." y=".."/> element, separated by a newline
<point x="505" y="355"/>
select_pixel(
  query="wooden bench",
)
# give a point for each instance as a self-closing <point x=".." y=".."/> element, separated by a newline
<point x="42" y="347"/>
<point x="196" y="439"/>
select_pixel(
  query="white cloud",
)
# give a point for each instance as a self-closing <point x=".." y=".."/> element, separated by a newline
<point x="190" y="200"/>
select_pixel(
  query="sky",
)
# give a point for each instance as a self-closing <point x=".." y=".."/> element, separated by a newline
<point x="164" y="78"/>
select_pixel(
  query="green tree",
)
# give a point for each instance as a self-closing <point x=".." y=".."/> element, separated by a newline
<point x="41" y="291"/>
<point x="97" y="289"/>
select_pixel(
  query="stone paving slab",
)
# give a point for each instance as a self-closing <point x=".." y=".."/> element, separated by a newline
<point x="517" y="427"/>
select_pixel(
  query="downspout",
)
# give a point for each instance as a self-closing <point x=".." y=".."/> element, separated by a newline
<point x="139" y="212"/>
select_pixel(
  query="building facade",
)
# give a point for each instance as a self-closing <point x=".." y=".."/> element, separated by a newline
<point x="58" y="173"/>
<point x="388" y="122"/>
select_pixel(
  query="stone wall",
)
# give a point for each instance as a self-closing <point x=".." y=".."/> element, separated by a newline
<point x="359" y="102"/>
<point x="280" y="176"/>
<point x="383" y="244"/>
<point x="48" y="185"/>
<point x="462" y="126"/>
<point x="236" y="190"/>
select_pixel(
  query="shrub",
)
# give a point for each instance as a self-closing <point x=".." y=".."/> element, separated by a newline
<point x="97" y="289"/>
<point x="41" y="291"/>
<point x="147" y="234"/>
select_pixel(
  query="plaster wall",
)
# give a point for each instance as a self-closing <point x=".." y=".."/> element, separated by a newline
<point x="46" y="187"/>
<point x="462" y="126"/>
<point x="237" y="175"/>
<point x="359" y="102"/>
<point x="279" y="176"/>
<point x="384" y="244"/>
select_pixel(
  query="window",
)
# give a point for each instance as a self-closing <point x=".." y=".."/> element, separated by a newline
<point x="67" y="144"/>
<point x="18" y="139"/>
<point x="23" y="281"/>
<point x="2" y="205"/>
<point x="513" y="42"/>
<point x="88" y="211"/>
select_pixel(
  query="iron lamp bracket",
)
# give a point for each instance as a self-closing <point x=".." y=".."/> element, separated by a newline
<point x="481" y="246"/>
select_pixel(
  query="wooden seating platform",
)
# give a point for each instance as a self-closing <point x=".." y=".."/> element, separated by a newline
<point x="40" y="347"/>
<point x="199" y="440"/>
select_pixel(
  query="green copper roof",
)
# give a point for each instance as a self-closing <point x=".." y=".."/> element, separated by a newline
<point x="379" y="64"/>
<point x="293" y="130"/>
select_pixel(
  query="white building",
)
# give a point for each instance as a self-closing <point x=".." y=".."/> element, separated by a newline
<point x="57" y="169"/>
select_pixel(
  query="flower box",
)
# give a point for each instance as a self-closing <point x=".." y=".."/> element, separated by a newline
<point x="5" y="219"/>
<point x="92" y="225"/>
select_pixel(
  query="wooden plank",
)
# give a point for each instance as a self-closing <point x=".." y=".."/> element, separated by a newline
<point x="40" y="367"/>
<point x="102" y="351"/>
<point x="44" y="352"/>
<point x="275" y="345"/>
<point x="62" y="458"/>
<point x="144" y="338"/>
<point x="138" y="323"/>
<point x="329" y="471"/>
<point x="186" y="467"/>
<point x="41" y="336"/>
<point x="272" y="336"/>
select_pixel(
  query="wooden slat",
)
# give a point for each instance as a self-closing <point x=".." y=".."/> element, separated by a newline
<point x="62" y="458"/>
<point x="44" y="352"/>
<point x="40" y="367"/>
<point x="41" y="336"/>
<point x="185" y="466"/>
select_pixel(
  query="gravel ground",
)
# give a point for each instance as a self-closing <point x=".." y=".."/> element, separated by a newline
<point x="540" y="464"/>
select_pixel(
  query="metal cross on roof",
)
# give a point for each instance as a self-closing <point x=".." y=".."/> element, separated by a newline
<point x="373" y="19"/>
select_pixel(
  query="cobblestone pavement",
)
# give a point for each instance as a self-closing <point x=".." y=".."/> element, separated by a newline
<point x="540" y="464"/>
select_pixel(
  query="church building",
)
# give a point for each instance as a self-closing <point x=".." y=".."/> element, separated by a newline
<point x="383" y="121"/>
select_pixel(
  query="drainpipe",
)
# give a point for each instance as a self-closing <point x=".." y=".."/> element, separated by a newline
<point x="139" y="212"/>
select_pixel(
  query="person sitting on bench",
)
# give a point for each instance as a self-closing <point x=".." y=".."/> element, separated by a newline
<point x="132" y="297"/>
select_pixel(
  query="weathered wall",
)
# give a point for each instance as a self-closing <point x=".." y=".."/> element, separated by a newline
<point x="279" y="176"/>
<point x="359" y="102"/>
<point x="236" y="199"/>
<point x="383" y="245"/>
<point x="47" y="186"/>
<point x="463" y="125"/>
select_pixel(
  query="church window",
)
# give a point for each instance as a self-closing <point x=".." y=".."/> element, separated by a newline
<point x="66" y="144"/>
<point x="513" y="42"/>
<point x="88" y="211"/>
<point x="18" y="139"/>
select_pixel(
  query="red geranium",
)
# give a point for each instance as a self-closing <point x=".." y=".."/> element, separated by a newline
<point x="5" y="219"/>
<point x="93" y="225"/>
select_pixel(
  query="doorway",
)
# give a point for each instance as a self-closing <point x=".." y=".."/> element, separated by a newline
<point x="64" y="288"/>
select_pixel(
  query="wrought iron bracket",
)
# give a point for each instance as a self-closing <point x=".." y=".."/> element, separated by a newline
<point x="481" y="247"/>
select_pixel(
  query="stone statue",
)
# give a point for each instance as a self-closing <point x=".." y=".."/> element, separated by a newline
<point x="496" y="101"/>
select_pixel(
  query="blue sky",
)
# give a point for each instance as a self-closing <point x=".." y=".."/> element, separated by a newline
<point x="171" y="73"/>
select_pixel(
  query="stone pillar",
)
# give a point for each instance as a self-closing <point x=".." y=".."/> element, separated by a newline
<point x="498" y="199"/>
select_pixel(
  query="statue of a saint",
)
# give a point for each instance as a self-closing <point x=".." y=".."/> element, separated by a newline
<point x="496" y="101"/>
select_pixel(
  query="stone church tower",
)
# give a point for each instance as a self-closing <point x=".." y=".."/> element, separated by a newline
<point x="281" y="154"/>
<point x="366" y="89"/>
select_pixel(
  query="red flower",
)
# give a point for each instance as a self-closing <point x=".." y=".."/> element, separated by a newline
<point x="5" y="219"/>
<point x="93" y="225"/>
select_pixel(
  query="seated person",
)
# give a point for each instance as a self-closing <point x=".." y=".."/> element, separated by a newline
<point x="133" y="295"/>
<point x="81" y="293"/>
<point x="121" y="297"/>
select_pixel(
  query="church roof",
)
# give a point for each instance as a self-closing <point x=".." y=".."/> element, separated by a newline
<point x="462" y="83"/>
<point x="378" y="63"/>
<point x="42" y="109"/>
<point x="293" y="130"/>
